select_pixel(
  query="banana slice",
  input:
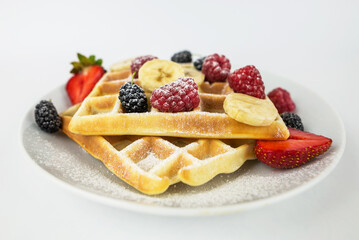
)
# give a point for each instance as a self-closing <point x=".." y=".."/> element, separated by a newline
<point x="156" y="73"/>
<point x="122" y="65"/>
<point x="190" y="71"/>
<point x="250" y="110"/>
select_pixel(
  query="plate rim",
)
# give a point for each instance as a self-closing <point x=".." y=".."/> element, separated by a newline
<point x="191" y="212"/>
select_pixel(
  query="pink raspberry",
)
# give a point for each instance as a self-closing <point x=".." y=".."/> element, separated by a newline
<point x="247" y="80"/>
<point x="282" y="100"/>
<point x="178" y="96"/>
<point x="137" y="63"/>
<point x="216" y="68"/>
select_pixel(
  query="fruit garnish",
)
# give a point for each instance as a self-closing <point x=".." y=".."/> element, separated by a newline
<point x="46" y="117"/>
<point x="297" y="150"/>
<point x="199" y="63"/>
<point x="122" y="65"/>
<point x="292" y="120"/>
<point x="87" y="72"/>
<point x="133" y="98"/>
<point x="250" y="110"/>
<point x="138" y="62"/>
<point x="182" y="57"/>
<point x="247" y="80"/>
<point x="178" y="96"/>
<point x="190" y="71"/>
<point x="282" y="100"/>
<point x="156" y="73"/>
<point x="216" y="68"/>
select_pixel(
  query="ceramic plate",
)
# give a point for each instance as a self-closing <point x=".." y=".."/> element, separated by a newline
<point x="253" y="185"/>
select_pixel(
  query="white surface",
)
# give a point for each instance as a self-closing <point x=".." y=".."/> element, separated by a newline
<point x="312" y="42"/>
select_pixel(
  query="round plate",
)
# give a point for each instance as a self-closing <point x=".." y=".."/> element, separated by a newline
<point x="253" y="185"/>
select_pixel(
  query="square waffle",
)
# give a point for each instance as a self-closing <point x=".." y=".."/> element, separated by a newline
<point x="152" y="164"/>
<point x="101" y="114"/>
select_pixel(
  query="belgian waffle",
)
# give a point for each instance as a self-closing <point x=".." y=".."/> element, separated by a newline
<point x="152" y="164"/>
<point x="101" y="114"/>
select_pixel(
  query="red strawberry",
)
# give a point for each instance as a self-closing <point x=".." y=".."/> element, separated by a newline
<point x="87" y="72"/>
<point x="297" y="150"/>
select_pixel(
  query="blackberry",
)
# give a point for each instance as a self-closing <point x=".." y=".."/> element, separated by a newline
<point x="46" y="117"/>
<point x="133" y="98"/>
<point x="198" y="63"/>
<point x="182" y="57"/>
<point x="292" y="120"/>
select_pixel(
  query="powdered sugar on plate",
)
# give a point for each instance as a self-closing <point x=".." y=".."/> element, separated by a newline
<point x="64" y="159"/>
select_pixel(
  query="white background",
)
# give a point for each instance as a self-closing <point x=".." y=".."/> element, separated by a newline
<point x="315" y="43"/>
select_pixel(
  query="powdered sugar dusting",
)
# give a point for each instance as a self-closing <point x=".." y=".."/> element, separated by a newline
<point x="148" y="162"/>
<point x="67" y="161"/>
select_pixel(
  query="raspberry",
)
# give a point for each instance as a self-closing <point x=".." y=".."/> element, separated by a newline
<point x="282" y="100"/>
<point x="247" y="80"/>
<point x="139" y="61"/>
<point x="216" y="68"/>
<point x="292" y="120"/>
<point x="133" y="98"/>
<point x="199" y="63"/>
<point x="178" y="96"/>
<point x="46" y="117"/>
<point x="182" y="57"/>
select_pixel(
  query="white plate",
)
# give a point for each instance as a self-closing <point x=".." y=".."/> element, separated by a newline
<point x="253" y="185"/>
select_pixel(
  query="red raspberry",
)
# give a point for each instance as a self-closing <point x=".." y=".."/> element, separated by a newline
<point x="282" y="100"/>
<point x="216" y="68"/>
<point x="247" y="80"/>
<point x="178" y="96"/>
<point x="137" y="63"/>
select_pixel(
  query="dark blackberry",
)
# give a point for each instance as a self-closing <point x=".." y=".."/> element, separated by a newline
<point x="182" y="57"/>
<point x="292" y="120"/>
<point x="198" y="63"/>
<point x="46" y="117"/>
<point x="133" y="98"/>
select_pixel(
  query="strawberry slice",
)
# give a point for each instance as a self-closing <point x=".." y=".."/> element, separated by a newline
<point x="297" y="150"/>
<point x="87" y="72"/>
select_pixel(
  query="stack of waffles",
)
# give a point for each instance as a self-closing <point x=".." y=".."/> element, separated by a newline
<point x="152" y="150"/>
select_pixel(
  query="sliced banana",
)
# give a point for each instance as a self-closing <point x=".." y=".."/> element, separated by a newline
<point x="250" y="110"/>
<point x="156" y="73"/>
<point x="191" y="71"/>
<point x="122" y="65"/>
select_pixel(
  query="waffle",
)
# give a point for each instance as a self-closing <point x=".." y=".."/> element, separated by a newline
<point x="101" y="114"/>
<point x="152" y="164"/>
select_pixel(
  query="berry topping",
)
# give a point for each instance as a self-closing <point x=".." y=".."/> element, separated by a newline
<point x="133" y="98"/>
<point x="199" y="63"/>
<point x="292" y="120"/>
<point x="138" y="62"/>
<point x="282" y="100"/>
<point x="247" y="80"/>
<point x="46" y="117"/>
<point x="297" y="150"/>
<point x="216" y="68"/>
<point x="178" y="96"/>
<point x="182" y="57"/>
<point x="87" y="72"/>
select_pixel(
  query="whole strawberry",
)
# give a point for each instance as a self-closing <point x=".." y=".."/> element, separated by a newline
<point x="297" y="150"/>
<point x="247" y="80"/>
<point x="178" y="96"/>
<point x="282" y="100"/>
<point x="216" y="68"/>
<point x="87" y="72"/>
<point x="138" y="62"/>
